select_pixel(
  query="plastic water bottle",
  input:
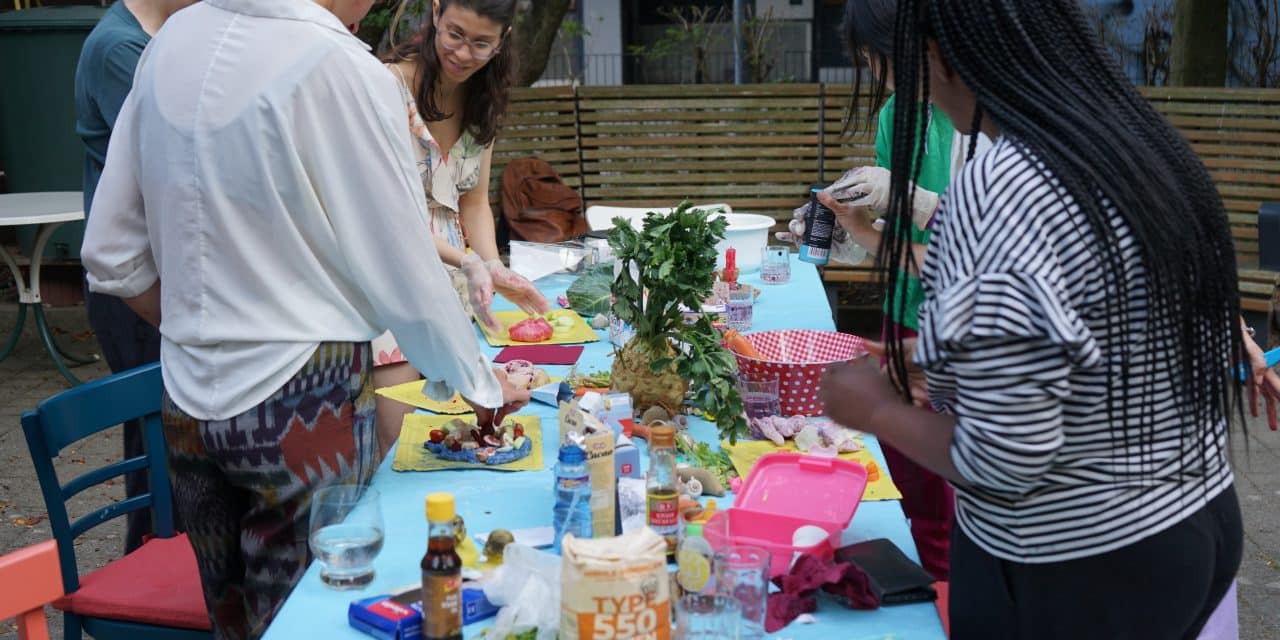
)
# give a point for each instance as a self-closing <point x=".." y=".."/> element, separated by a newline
<point x="573" y="495"/>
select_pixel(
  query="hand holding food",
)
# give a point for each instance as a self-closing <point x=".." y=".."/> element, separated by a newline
<point x="523" y="375"/>
<point x="513" y="399"/>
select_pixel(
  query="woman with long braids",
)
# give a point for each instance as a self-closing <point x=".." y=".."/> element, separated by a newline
<point x="1080" y="330"/>
<point x="455" y="77"/>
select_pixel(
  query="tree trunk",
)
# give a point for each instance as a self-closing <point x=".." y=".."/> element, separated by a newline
<point x="1199" y="43"/>
<point x="535" y="34"/>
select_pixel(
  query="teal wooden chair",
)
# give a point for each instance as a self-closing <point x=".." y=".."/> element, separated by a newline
<point x="154" y="592"/>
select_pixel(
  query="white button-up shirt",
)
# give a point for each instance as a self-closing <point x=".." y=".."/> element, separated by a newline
<point x="261" y="169"/>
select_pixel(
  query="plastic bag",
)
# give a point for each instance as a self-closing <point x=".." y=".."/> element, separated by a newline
<point x="534" y="260"/>
<point x="527" y="587"/>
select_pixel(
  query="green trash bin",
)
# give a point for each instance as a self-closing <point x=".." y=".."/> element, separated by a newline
<point x="39" y="148"/>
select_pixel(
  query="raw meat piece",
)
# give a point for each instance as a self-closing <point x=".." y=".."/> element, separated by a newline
<point x="531" y="330"/>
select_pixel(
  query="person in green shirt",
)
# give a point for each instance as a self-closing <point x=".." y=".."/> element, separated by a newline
<point x="863" y="191"/>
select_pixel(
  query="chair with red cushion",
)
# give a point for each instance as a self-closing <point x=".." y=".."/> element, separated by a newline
<point x="154" y="592"/>
<point x="29" y="580"/>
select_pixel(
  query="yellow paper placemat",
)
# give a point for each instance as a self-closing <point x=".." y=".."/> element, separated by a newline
<point x="411" y="394"/>
<point x="411" y="455"/>
<point x="579" y="333"/>
<point x="746" y="452"/>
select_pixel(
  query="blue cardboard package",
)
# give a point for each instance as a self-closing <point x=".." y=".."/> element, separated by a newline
<point x="398" y="616"/>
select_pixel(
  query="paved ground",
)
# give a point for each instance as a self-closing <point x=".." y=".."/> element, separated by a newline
<point x="27" y="377"/>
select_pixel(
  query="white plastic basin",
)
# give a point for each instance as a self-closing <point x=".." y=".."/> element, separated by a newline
<point x="749" y="234"/>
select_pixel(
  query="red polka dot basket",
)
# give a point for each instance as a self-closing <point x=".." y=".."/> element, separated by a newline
<point x="799" y="357"/>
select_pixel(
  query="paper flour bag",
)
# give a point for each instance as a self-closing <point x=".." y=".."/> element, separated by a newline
<point x="615" y="588"/>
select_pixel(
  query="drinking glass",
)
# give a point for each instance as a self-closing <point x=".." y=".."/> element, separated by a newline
<point x="346" y="534"/>
<point x="775" y="264"/>
<point x="760" y="395"/>
<point x="742" y="573"/>
<point x="707" y="617"/>
<point x="739" y="307"/>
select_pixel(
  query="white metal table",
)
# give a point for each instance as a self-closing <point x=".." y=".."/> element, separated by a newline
<point x="47" y="210"/>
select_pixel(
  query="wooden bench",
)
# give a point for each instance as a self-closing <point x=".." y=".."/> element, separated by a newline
<point x="759" y="148"/>
<point x="1236" y="133"/>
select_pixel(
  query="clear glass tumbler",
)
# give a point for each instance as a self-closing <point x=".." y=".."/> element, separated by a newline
<point x="346" y="534"/>
<point x="742" y="573"/>
<point x="707" y="617"/>
<point x="775" y="264"/>
<point x="760" y="395"/>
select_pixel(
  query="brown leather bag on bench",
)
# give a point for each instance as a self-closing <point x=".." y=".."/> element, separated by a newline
<point x="537" y="205"/>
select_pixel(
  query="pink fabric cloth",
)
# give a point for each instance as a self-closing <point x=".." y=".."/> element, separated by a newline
<point x="800" y="585"/>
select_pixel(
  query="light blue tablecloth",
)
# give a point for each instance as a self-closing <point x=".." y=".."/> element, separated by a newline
<point x="489" y="499"/>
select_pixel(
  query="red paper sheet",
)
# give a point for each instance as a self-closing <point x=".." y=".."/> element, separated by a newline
<point x="540" y="354"/>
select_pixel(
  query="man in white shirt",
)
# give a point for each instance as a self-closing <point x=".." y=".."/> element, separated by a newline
<point x="260" y="173"/>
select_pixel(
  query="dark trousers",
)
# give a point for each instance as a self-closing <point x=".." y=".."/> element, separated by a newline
<point x="1164" y="587"/>
<point x="127" y="341"/>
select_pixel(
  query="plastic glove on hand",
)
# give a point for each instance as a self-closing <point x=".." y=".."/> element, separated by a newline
<point x="480" y="289"/>
<point x="517" y="289"/>
<point x="795" y="229"/>
<point x="869" y="187"/>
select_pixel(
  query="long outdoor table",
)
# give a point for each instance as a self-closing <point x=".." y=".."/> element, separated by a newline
<point x="494" y="499"/>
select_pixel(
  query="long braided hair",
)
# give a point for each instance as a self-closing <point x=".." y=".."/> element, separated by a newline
<point x="1039" y="72"/>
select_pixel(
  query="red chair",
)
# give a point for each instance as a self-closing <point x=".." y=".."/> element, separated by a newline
<point x="154" y="592"/>
<point x="29" y="579"/>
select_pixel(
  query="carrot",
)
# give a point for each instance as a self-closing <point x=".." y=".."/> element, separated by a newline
<point x="641" y="430"/>
<point x="685" y="503"/>
<point x="873" y="472"/>
<point x="739" y="344"/>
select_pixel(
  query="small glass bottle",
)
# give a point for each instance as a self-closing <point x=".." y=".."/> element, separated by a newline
<point x="662" y="497"/>
<point x="441" y="573"/>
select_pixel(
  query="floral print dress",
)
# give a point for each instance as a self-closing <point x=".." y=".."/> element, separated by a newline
<point x="446" y="176"/>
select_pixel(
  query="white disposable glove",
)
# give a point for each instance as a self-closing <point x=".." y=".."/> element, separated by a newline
<point x="479" y="289"/>
<point x="843" y="248"/>
<point x="517" y="288"/>
<point x="484" y="277"/>
<point x="869" y="187"/>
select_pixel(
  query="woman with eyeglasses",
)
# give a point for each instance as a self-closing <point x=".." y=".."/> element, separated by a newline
<point x="455" y="76"/>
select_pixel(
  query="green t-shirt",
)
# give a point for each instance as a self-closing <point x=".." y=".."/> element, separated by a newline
<point x="935" y="175"/>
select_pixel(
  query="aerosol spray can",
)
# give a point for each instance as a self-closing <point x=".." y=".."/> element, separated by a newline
<point x="819" y="224"/>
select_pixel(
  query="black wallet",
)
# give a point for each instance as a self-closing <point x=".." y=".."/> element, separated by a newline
<point x="893" y="576"/>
